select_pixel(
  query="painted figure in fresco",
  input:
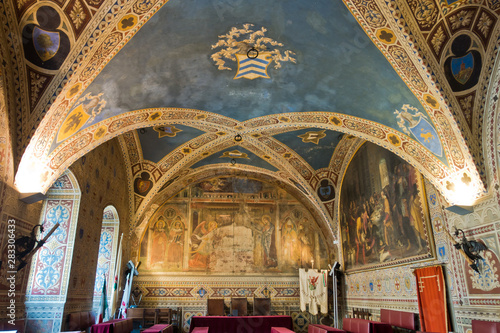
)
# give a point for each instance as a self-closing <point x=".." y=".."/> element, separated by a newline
<point x="407" y="233"/>
<point x="361" y="226"/>
<point x="176" y="241"/>
<point x="268" y="242"/>
<point x="306" y="243"/>
<point x="416" y="217"/>
<point x="351" y="223"/>
<point x="388" y="222"/>
<point x="289" y="243"/>
<point x="201" y="244"/>
<point x="159" y="243"/>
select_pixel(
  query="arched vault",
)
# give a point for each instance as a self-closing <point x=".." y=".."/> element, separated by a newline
<point x="134" y="66"/>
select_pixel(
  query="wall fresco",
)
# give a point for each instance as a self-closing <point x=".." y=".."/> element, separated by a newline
<point x="383" y="214"/>
<point x="232" y="225"/>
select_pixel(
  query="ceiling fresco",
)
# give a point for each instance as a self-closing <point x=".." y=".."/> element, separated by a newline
<point x="159" y="141"/>
<point x="236" y="155"/>
<point x="329" y="58"/>
<point x="315" y="146"/>
<point x="176" y="81"/>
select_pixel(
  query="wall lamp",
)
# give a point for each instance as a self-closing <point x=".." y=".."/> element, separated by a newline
<point x="470" y="249"/>
<point x="26" y="246"/>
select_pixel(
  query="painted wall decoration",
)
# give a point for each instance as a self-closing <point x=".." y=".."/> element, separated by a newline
<point x="45" y="39"/>
<point x="326" y="191"/>
<point x="104" y="260"/>
<point x="383" y="213"/>
<point x="51" y="265"/>
<point x="48" y="276"/>
<point x="143" y="184"/>
<point x="232" y="225"/>
<point x="463" y="68"/>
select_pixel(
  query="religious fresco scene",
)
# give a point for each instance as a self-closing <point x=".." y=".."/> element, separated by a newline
<point x="232" y="225"/>
<point x="383" y="213"/>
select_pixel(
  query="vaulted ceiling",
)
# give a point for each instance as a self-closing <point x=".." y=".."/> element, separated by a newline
<point x="284" y="90"/>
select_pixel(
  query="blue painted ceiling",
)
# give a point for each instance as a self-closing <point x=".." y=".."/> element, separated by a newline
<point x="336" y="68"/>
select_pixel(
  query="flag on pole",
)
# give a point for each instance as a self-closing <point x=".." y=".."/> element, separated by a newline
<point x="104" y="303"/>
<point x="125" y="298"/>
<point x="118" y="266"/>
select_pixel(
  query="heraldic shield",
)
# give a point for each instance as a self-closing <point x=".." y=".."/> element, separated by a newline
<point x="427" y="136"/>
<point x="46" y="43"/>
<point x="252" y="68"/>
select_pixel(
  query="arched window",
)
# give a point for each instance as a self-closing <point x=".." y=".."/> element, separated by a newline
<point x="50" y="266"/>
<point x="108" y="247"/>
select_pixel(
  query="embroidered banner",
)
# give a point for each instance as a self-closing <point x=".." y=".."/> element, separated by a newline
<point x="313" y="290"/>
<point x="431" y="292"/>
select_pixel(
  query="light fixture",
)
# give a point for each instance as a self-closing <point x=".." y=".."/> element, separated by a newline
<point x="233" y="161"/>
<point x="27" y="246"/>
<point x="460" y="210"/>
<point x="470" y="249"/>
<point x="30" y="198"/>
<point x="252" y="53"/>
<point x="238" y="138"/>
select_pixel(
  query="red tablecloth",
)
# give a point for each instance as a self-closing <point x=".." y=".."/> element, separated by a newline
<point x="106" y="327"/>
<point x="200" y="330"/>
<point x="317" y="328"/>
<point x="159" y="328"/>
<point x="280" y="330"/>
<point x="102" y="328"/>
<point x="241" y="324"/>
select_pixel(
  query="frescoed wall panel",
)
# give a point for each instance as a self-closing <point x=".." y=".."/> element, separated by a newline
<point x="232" y="225"/>
<point x="383" y="212"/>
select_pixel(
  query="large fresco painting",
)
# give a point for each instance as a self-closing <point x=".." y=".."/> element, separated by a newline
<point x="382" y="211"/>
<point x="232" y="225"/>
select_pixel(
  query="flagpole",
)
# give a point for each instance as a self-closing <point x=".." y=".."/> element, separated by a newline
<point x="118" y="266"/>
<point x="104" y="302"/>
<point x="124" y="303"/>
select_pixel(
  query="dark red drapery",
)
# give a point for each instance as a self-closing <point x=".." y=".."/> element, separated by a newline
<point x="431" y="291"/>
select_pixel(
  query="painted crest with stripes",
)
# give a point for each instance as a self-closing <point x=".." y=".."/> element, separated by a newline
<point x="252" y="68"/>
<point x="252" y="50"/>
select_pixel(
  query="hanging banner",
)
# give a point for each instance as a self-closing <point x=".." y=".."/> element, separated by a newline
<point x="431" y="292"/>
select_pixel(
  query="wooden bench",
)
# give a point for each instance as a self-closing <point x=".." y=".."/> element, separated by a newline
<point x="80" y="321"/>
<point x="357" y="325"/>
<point x="400" y="319"/>
<point x="483" y="326"/>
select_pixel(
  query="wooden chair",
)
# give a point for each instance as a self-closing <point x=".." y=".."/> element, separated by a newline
<point x="164" y="316"/>
<point x="361" y="314"/>
<point x="150" y="317"/>
<point x="240" y="304"/>
<point x="215" y="307"/>
<point x="261" y="306"/>
<point x="137" y="315"/>
<point x="176" y="319"/>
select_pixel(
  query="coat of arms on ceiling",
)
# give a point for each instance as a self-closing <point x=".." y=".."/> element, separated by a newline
<point x="412" y="121"/>
<point x="85" y="112"/>
<point x="251" y="50"/>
